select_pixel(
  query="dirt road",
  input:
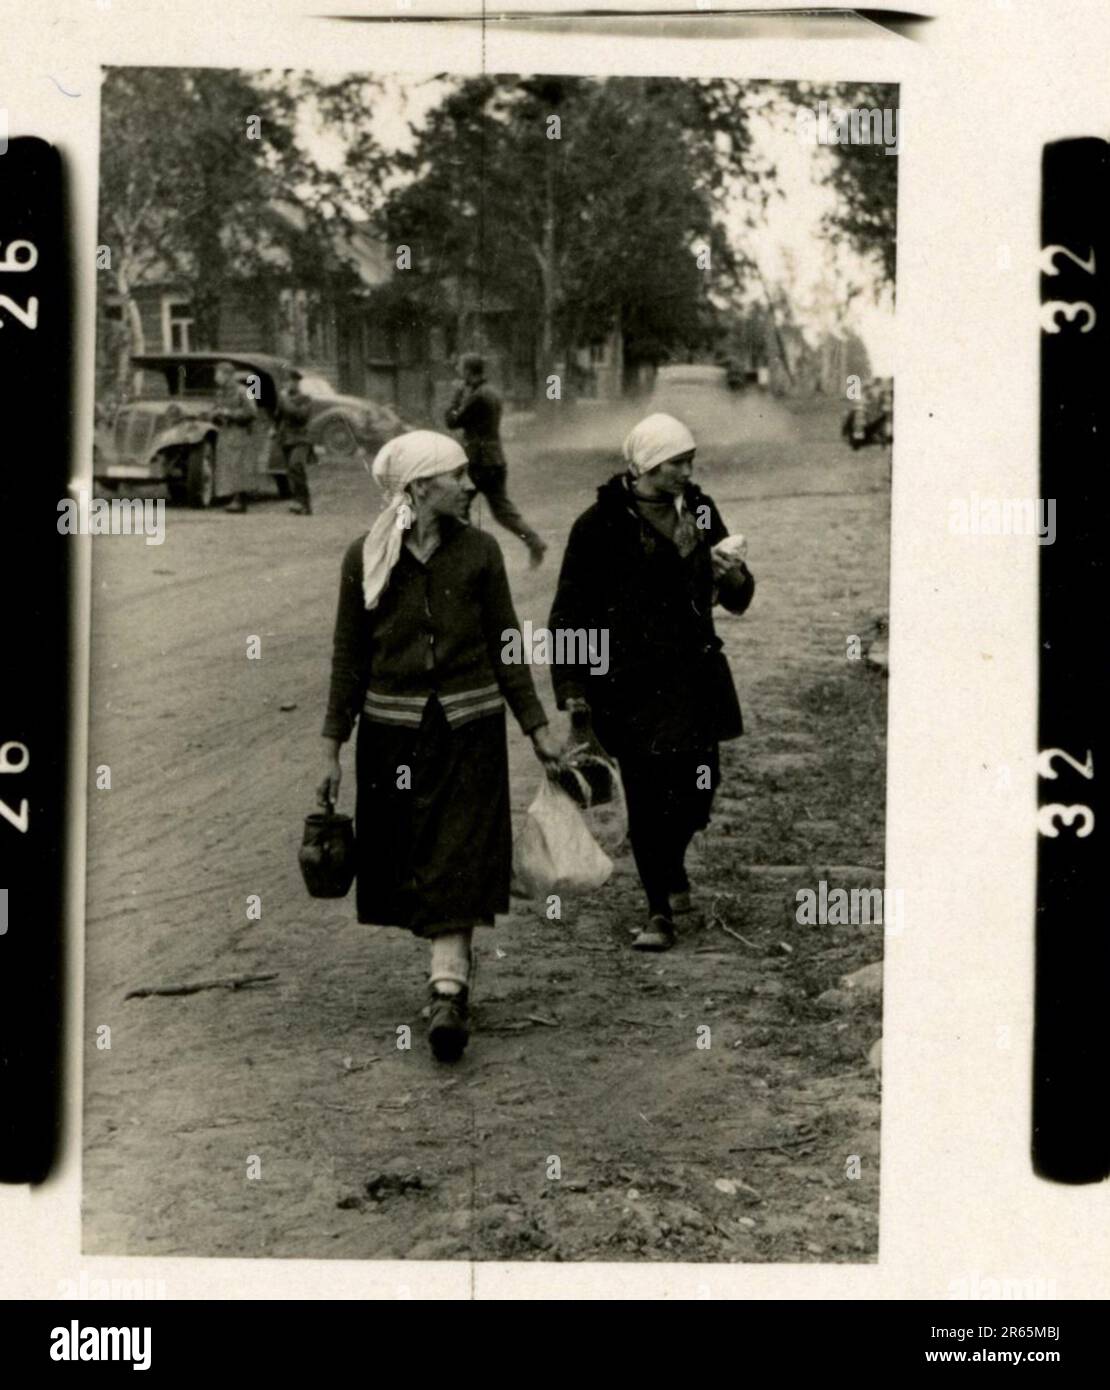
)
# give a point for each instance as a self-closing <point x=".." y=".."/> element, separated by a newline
<point x="584" y="1052"/>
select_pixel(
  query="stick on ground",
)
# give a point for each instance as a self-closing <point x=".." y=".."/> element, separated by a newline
<point x="225" y="982"/>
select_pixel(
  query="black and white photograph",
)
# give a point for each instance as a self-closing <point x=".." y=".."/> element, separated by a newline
<point x="550" y="741"/>
<point x="488" y="706"/>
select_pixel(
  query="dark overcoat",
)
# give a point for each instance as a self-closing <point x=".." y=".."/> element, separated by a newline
<point x="668" y="687"/>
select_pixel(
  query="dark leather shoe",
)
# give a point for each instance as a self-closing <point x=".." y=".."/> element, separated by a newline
<point x="448" y="1028"/>
<point x="687" y="911"/>
<point x="658" y="935"/>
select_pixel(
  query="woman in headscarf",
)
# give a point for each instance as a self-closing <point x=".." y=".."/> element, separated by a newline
<point x="648" y="561"/>
<point x="423" y="601"/>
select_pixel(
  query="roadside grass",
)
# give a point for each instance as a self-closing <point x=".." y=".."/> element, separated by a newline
<point x="830" y="807"/>
<point x="826" y="811"/>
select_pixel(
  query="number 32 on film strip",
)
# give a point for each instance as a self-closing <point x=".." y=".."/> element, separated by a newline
<point x="1079" y="818"/>
<point x="1050" y="817"/>
<point x="1071" y="1134"/>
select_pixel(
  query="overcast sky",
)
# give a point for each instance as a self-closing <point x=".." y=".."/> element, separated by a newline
<point x="792" y="229"/>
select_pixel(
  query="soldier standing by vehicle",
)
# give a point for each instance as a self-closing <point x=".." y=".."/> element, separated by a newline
<point x="292" y="431"/>
<point x="235" y="409"/>
<point x="476" y="410"/>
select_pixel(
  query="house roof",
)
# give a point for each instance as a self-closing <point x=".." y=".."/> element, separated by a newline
<point x="369" y="257"/>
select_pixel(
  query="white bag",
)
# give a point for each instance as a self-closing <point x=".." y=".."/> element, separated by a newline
<point x="607" y="822"/>
<point x="554" y="851"/>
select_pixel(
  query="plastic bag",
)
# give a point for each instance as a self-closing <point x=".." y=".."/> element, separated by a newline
<point x="601" y="798"/>
<point x="592" y="780"/>
<point x="554" y="851"/>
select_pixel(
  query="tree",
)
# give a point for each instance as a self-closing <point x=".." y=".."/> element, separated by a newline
<point x="136" y="199"/>
<point x="641" y="237"/>
<point x="866" y="179"/>
<point x="195" y="164"/>
<point x="583" y="203"/>
<point x="864" y="176"/>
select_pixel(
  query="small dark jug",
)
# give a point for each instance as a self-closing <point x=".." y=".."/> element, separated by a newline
<point x="327" y="854"/>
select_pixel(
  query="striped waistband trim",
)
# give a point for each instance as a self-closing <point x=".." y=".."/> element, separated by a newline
<point x="466" y="696"/>
<point x="458" y="708"/>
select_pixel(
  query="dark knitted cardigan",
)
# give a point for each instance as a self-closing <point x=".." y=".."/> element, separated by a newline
<point x="437" y="630"/>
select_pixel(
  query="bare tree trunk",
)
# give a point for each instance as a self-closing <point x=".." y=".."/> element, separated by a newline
<point x="134" y="338"/>
<point x="618" y="354"/>
<point x="775" y="326"/>
<point x="549" y="276"/>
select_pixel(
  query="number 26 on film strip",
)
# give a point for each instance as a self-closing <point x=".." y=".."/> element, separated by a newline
<point x="19" y="256"/>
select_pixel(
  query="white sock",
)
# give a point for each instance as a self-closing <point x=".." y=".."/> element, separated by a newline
<point x="450" y="963"/>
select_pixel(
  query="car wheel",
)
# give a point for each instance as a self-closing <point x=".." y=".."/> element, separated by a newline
<point x="338" y="438"/>
<point x="200" y="476"/>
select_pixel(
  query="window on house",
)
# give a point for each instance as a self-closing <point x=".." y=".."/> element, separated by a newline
<point x="376" y="342"/>
<point x="113" y="313"/>
<point x="599" y="354"/>
<point x="321" y="330"/>
<point x="177" y="325"/>
<point x="290" y="339"/>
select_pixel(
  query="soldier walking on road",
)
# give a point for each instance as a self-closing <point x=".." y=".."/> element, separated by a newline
<point x="235" y="409"/>
<point x="296" y="447"/>
<point x="476" y="410"/>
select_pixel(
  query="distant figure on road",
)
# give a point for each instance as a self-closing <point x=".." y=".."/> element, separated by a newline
<point x="647" y="562"/>
<point x="417" y="660"/>
<point x="292" y="414"/>
<point x="234" y="409"/>
<point x="476" y="410"/>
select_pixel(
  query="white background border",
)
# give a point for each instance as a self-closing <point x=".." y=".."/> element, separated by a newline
<point x="983" y="87"/>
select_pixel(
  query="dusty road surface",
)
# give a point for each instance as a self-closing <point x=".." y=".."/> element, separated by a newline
<point x="283" y="1119"/>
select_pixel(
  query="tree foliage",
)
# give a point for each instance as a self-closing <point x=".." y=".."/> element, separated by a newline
<point x="580" y="202"/>
<point x="864" y="176"/>
<point x="195" y="165"/>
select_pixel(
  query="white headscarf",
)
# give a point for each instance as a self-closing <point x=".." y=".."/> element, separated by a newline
<point x="418" y="454"/>
<point x="655" y="440"/>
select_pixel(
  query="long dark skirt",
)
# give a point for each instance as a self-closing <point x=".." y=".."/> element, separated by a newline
<point x="436" y="855"/>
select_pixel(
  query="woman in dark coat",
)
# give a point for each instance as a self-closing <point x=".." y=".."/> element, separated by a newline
<point x="423" y="603"/>
<point x="647" y="563"/>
